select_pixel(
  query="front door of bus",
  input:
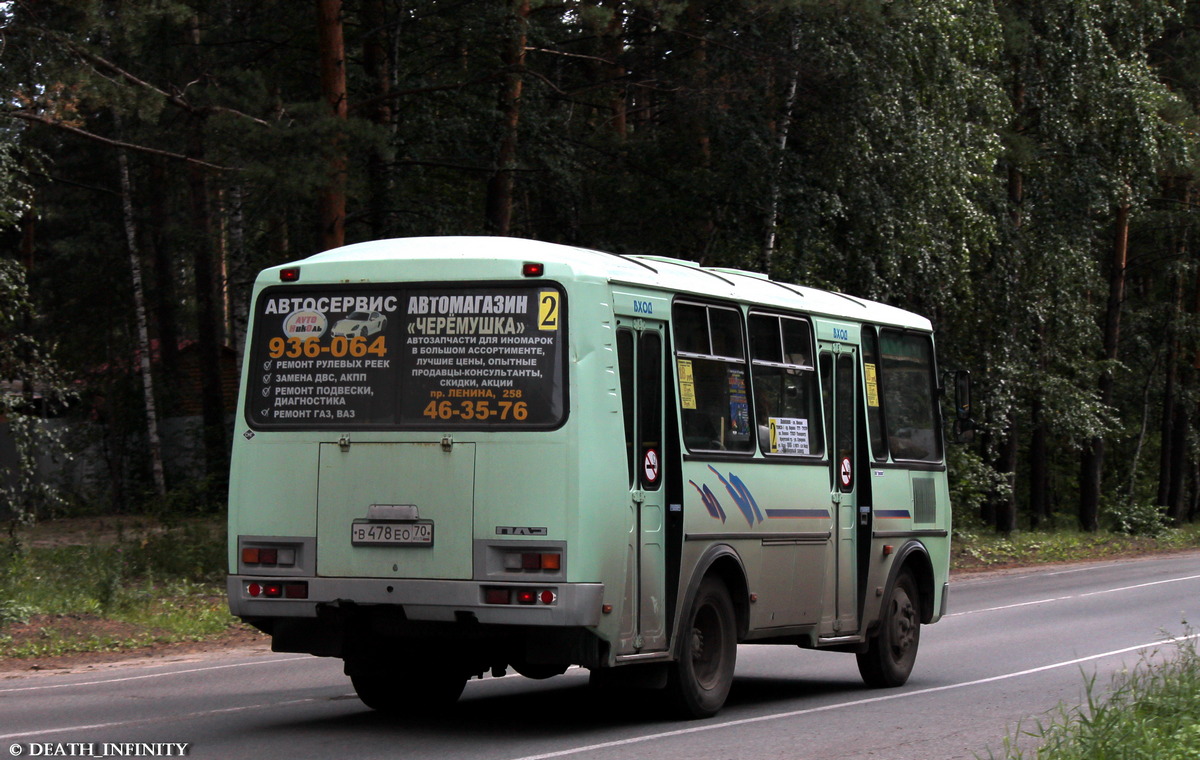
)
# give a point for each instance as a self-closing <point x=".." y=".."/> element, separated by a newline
<point x="839" y="379"/>
<point x="640" y="357"/>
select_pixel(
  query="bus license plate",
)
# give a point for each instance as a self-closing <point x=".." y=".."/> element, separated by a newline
<point x="391" y="534"/>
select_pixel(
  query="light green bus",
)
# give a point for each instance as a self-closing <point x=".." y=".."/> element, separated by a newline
<point x="457" y="455"/>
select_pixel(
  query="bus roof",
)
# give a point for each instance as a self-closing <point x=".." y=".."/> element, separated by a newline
<point x="653" y="272"/>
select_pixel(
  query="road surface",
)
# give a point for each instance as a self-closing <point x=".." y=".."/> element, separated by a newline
<point x="1015" y="646"/>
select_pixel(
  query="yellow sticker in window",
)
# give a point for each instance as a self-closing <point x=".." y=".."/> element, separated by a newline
<point x="872" y="385"/>
<point x="687" y="384"/>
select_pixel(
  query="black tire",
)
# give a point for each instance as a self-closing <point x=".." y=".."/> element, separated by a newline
<point x="414" y="691"/>
<point x="892" y="652"/>
<point x="700" y="679"/>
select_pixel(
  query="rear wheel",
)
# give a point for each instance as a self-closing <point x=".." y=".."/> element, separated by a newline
<point x="892" y="652"/>
<point x="700" y="680"/>
<point x="411" y="690"/>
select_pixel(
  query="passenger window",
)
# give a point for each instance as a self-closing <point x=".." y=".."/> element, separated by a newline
<point x="713" y="378"/>
<point x="787" y="403"/>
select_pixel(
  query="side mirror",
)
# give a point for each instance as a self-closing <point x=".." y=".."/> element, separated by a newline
<point x="964" y="426"/>
<point x="962" y="394"/>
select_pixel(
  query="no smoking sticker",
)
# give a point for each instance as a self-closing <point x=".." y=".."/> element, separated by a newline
<point x="846" y="472"/>
<point x="650" y="466"/>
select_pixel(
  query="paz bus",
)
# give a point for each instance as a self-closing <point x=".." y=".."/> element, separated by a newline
<point x="458" y="455"/>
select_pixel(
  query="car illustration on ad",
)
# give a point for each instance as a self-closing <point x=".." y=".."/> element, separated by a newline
<point x="359" y="323"/>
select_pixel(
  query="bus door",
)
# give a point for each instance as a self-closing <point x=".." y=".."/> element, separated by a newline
<point x="839" y="368"/>
<point x="640" y="347"/>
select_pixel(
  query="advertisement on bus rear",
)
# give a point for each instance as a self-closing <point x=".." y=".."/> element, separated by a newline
<point x="430" y="357"/>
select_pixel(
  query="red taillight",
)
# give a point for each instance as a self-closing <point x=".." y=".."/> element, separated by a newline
<point x="533" y="269"/>
<point x="296" y="590"/>
<point x="250" y="556"/>
<point x="531" y="596"/>
<point x="531" y="561"/>
<point x="268" y="556"/>
<point x="290" y="274"/>
<point x="254" y="589"/>
<point x="525" y="596"/>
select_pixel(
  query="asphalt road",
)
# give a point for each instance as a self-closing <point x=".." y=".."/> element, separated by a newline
<point x="1014" y="647"/>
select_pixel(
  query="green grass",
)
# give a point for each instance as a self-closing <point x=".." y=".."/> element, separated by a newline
<point x="1150" y="713"/>
<point x="984" y="550"/>
<point x="130" y="590"/>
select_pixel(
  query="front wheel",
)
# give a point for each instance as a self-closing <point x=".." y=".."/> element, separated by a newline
<point x="700" y="680"/>
<point x="892" y="652"/>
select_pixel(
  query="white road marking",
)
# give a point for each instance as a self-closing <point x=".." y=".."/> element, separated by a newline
<point x="1071" y="596"/>
<point x="842" y="705"/>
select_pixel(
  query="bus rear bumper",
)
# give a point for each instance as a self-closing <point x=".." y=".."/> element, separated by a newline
<point x="532" y="604"/>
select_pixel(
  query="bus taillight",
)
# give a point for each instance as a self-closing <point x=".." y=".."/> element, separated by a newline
<point x="524" y="596"/>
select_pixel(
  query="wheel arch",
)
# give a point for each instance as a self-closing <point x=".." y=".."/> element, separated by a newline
<point x="723" y="561"/>
<point x="914" y="558"/>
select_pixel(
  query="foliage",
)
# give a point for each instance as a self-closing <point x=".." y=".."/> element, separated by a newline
<point x="1147" y="713"/>
<point x="154" y="584"/>
<point x="1139" y="519"/>
<point x="965" y="159"/>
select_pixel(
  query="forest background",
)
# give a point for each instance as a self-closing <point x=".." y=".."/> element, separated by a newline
<point x="1020" y="171"/>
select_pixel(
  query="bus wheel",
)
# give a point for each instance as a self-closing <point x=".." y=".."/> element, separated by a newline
<point x="891" y="653"/>
<point x="699" y="681"/>
<point x="414" y="690"/>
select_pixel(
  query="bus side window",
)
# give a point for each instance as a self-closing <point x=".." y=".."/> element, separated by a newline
<point x="879" y="448"/>
<point x="787" y="405"/>
<point x="713" y="377"/>
<point x="907" y="383"/>
<point x="625" y="369"/>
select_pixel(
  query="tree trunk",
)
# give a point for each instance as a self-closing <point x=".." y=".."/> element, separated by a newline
<point x="1039" y="473"/>
<point x="143" y="332"/>
<point x="781" y="141"/>
<point x="500" y="186"/>
<point x="331" y="212"/>
<point x="378" y="71"/>
<point x="1092" y="464"/>
<point x="208" y="315"/>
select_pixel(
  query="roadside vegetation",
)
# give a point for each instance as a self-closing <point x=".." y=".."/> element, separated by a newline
<point x="1148" y="713"/>
<point x="108" y="585"/>
<point x="121" y="584"/>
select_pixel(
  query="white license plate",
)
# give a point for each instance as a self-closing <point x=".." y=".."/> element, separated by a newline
<point x="391" y="533"/>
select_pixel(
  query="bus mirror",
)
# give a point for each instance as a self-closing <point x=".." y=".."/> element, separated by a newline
<point x="962" y="394"/>
<point x="964" y="431"/>
<point x="964" y="426"/>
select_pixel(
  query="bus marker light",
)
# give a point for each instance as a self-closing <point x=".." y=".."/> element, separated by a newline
<point x="272" y="590"/>
<point x="606" y="609"/>
<point x="533" y="269"/>
<point x="496" y="596"/>
<point x="887" y="549"/>
<point x="526" y="596"/>
<point x="291" y="274"/>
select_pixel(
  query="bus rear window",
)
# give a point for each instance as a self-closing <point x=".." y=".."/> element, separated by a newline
<point x="378" y="357"/>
